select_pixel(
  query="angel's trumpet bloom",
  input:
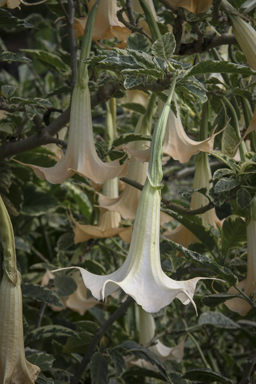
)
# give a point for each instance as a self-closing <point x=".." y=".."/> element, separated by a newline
<point x="109" y="222"/>
<point x="141" y="275"/>
<point x="246" y="37"/>
<point x="247" y="285"/>
<point x="177" y="144"/>
<point x="10" y="3"/>
<point x="134" y="96"/>
<point x="142" y="22"/>
<point x="14" y="368"/>
<point x="107" y="25"/>
<point x="147" y="330"/>
<point x="81" y="156"/>
<point x="194" y="6"/>
<point x="181" y="234"/>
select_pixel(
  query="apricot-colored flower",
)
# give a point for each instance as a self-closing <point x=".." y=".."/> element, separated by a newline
<point x="181" y="234"/>
<point x="107" y="25"/>
<point x="176" y="142"/>
<point x="109" y="222"/>
<point x="10" y="3"/>
<point x="247" y="285"/>
<point x="194" y="6"/>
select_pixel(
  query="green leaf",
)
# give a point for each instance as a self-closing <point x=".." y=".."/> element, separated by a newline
<point x="222" y="172"/>
<point x="65" y="89"/>
<point x="225" y="184"/>
<point x="164" y="47"/>
<point x="217" y="319"/>
<point x="65" y="285"/>
<point x="221" y="272"/>
<point x="7" y="21"/>
<point x="197" y="226"/>
<point x="65" y="241"/>
<point x="233" y="233"/>
<point x="118" y="361"/>
<point x="13" y="57"/>
<point x="229" y="141"/>
<point x="80" y="197"/>
<point x="21" y="244"/>
<point x="135" y="107"/>
<point x="52" y="61"/>
<point x="37" y="203"/>
<point x="210" y="66"/>
<point x="48" y="332"/>
<point x="41" y="359"/>
<point x="77" y="344"/>
<point x="8" y="90"/>
<point x="243" y="198"/>
<point x="204" y="375"/>
<point x="99" y="369"/>
<point x="129" y="137"/>
<point x="216" y="299"/>
<point x="132" y="81"/>
<point x="139" y="42"/>
<point x="225" y="159"/>
<point x="42" y="379"/>
<point x="35" y="101"/>
<point x="42" y="294"/>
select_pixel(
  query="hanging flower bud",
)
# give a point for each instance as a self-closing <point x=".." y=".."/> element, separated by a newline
<point x="14" y="368"/>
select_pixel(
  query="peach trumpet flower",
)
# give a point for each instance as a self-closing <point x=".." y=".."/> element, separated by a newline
<point x="176" y="142"/>
<point x="109" y="222"/>
<point x="14" y="368"/>
<point x="81" y="156"/>
<point x="194" y="6"/>
<point x="107" y="26"/>
<point x="247" y="285"/>
<point x="181" y="234"/>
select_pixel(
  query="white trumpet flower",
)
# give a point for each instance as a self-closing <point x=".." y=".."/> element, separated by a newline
<point x="14" y="368"/>
<point x="247" y="285"/>
<point x="141" y="275"/>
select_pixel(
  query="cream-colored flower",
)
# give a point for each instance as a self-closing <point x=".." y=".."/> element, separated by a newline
<point x="107" y="26"/>
<point x="147" y="329"/>
<point x="109" y="222"/>
<point x="194" y="6"/>
<point x="181" y="234"/>
<point x="14" y="368"/>
<point x="176" y="142"/>
<point x="134" y="96"/>
<point x="247" y="285"/>
<point x="81" y="156"/>
<point x="10" y="3"/>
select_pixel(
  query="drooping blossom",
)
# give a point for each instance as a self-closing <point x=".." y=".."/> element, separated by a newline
<point x="194" y="6"/>
<point x="14" y="368"/>
<point x="81" y="156"/>
<point x="181" y="234"/>
<point x="141" y="275"/>
<point x="109" y="222"/>
<point x="107" y="26"/>
<point x="248" y="284"/>
<point x="176" y="142"/>
<point x="147" y="329"/>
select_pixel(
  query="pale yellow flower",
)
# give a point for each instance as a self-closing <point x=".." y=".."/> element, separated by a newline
<point x="14" y="368"/>
<point x="194" y="6"/>
<point x="107" y="26"/>
<point x="247" y="285"/>
<point x="10" y="3"/>
<point x="181" y="234"/>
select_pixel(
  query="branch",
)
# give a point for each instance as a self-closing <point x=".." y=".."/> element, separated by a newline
<point x="130" y="12"/>
<point x="98" y="335"/>
<point x="128" y="25"/>
<point x="208" y="43"/>
<point x="174" y="207"/>
<point x="248" y="371"/>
